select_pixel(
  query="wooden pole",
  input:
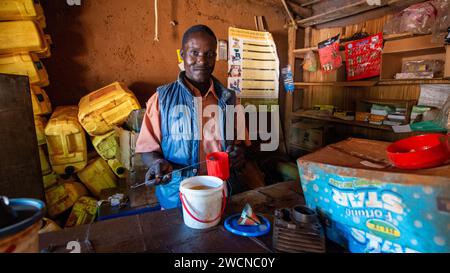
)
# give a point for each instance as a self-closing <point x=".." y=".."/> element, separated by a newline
<point x="292" y="37"/>
<point x="291" y="17"/>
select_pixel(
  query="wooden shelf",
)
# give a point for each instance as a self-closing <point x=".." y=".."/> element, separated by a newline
<point x="422" y="41"/>
<point x="302" y="51"/>
<point x="370" y="83"/>
<point x="352" y="83"/>
<point x="412" y="81"/>
<point x="351" y="9"/>
<point x="301" y="147"/>
<point x="397" y="49"/>
<point x="389" y="101"/>
<point x="390" y="37"/>
<point x="305" y="114"/>
<point x="314" y="83"/>
<point x="412" y="44"/>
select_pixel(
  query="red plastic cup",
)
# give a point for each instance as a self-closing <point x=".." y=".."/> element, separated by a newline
<point x="217" y="165"/>
<point x="419" y="152"/>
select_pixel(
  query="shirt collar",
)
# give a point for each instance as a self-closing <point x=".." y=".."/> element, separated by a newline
<point x="197" y="92"/>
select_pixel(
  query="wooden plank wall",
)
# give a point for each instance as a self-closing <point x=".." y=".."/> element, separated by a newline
<point x="346" y="97"/>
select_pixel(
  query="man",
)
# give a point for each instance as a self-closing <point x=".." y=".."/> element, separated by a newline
<point x="169" y="137"/>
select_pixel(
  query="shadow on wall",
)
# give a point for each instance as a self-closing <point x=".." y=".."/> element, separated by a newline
<point x="71" y="76"/>
<point x="112" y="40"/>
<point x="141" y="90"/>
<point x="67" y="75"/>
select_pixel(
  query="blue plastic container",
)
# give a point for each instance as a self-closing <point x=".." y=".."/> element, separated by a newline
<point x="23" y="235"/>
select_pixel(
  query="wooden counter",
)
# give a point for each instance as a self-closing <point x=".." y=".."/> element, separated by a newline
<point x="164" y="231"/>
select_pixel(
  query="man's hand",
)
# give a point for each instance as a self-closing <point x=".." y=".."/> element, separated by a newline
<point x="157" y="170"/>
<point x="236" y="156"/>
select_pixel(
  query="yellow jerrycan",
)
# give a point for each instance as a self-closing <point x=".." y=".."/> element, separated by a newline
<point x="39" y="124"/>
<point x="97" y="176"/>
<point x="45" y="166"/>
<point x="66" y="141"/>
<point x="107" y="145"/>
<point x="101" y="110"/>
<point x="22" y="37"/>
<point x="49" y="225"/>
<point x="13" y="10"/>
<point x="50" y="180"/>
<point x="26" y="64"/>
<point x="63" y="196"/>
<point x="117" y="167"/>
<point x="83" y="212"/>
<point x="40" y="101"/>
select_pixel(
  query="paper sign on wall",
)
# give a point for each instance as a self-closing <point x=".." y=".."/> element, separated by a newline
<point x="253" y="64"/>
<point x="434" y="95"/>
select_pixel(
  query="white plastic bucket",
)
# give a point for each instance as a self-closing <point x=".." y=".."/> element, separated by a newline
<point x="202" y="208"/>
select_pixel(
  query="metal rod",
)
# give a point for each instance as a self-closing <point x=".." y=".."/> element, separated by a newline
<point x="177" y="170"/>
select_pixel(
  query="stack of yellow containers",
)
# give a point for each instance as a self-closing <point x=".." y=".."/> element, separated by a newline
<point x="99" y="112"/>
<point x="67" y="150"/>
<point x="72" y="180"/>
<point x="22" y="40"/>
<point x="22" y="44"/>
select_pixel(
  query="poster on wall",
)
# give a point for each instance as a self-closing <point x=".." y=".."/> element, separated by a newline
<point x="253" y="65"/>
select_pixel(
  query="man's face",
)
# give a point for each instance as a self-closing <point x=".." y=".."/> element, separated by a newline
<point x="199" y="55"/>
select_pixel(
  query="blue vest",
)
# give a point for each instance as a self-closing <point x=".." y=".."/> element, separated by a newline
<point x="179" y="130"/>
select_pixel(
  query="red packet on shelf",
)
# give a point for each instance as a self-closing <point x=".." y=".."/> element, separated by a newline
<point x="329" y="56"/>
<point x="363" y="57"/>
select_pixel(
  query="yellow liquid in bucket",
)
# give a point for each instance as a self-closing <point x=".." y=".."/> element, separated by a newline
<point x="201" y="187"/>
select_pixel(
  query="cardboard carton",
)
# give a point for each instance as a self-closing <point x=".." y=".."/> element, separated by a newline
<point x="370" y="206"/>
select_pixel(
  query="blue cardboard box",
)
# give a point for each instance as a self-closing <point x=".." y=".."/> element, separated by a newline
<point x="368" y="205"/>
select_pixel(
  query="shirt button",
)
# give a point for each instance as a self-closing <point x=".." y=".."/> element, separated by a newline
<point x="194" y="171"/>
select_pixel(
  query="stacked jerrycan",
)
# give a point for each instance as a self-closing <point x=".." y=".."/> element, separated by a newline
<point x="66" y="141"/>
<point x="107" y="146"/>
<point x="105" y="108"/>
<point x="22" y="43"/>
<point x="99" y="112"/>
<point x="67" y="150"/>
<point x="73" y="181"/>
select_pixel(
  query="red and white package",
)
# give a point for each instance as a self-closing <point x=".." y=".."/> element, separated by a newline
<point x="329" y="56"/>
<point x="363" y="57"/>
